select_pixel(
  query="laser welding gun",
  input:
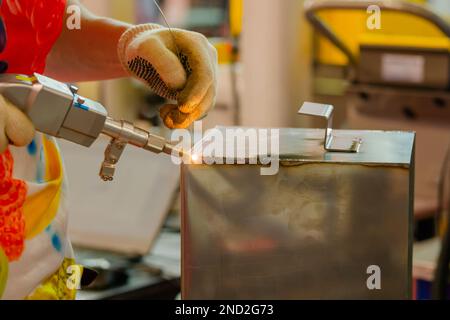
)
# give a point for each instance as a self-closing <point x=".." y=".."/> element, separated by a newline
<point x="56" y="109"/>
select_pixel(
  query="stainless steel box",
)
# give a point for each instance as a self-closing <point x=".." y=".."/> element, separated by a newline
<point x="315" y="230"/>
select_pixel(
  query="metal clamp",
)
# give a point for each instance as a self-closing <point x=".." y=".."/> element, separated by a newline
<point x="331" y="143"/>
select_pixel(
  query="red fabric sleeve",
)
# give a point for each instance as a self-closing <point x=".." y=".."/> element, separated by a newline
<point x="32" y="28"/>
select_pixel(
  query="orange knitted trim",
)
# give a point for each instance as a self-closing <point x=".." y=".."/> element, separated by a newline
<point x="12" y="198"/>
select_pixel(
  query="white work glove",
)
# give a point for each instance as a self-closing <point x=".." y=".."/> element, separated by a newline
<point x="15" y="127"/>
<point x="184" y="72"/>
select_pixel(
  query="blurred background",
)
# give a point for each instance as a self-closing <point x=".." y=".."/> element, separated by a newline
<point x="272" y="59"/>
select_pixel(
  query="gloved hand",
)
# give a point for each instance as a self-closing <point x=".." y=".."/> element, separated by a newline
<point x="15" y="127"/>
<point x="183" y="70"/>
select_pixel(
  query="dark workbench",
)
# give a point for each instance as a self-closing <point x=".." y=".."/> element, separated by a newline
<point x="143" y="284"/>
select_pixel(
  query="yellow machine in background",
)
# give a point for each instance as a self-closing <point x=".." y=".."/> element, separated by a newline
<point x="236" y="14"/>
<point x="398" y="80"/>
<point x="349" y="25"/>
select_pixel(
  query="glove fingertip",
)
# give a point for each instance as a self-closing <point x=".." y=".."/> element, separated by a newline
<point x="175" y="121"/>
<point x="168" y="122"/>
<point x="166" y="109"/>
<point x="187" y="108"/>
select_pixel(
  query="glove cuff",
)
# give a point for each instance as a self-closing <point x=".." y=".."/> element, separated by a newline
<point x="128" y="36"/>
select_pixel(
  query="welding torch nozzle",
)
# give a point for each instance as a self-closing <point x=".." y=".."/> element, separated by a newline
<point x="128" y="133"/>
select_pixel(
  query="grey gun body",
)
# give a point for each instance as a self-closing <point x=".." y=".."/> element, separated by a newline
<point x="55" y="108"/>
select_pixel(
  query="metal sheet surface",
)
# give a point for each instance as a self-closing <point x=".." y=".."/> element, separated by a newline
<point x="310" y="232"/>
<point x="379" y="147"/>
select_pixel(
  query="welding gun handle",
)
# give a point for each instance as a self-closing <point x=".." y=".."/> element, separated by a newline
<point x="55" y="108"/>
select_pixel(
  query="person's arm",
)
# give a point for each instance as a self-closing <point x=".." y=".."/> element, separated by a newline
<point x="106" y="48"/>
<point x="89" y="53"/>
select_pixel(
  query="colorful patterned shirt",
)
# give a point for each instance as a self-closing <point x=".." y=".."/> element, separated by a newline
<point x="36" y="257"/>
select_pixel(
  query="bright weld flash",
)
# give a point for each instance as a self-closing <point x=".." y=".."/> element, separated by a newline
<point x="195" y="157"/>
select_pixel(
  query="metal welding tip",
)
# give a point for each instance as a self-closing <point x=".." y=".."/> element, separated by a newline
<point x="173" y="150"/>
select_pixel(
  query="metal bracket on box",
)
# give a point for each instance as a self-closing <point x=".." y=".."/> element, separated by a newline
<point x="331" y="143"/>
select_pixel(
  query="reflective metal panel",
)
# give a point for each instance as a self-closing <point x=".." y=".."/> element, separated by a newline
<point x="321" y="228"/>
